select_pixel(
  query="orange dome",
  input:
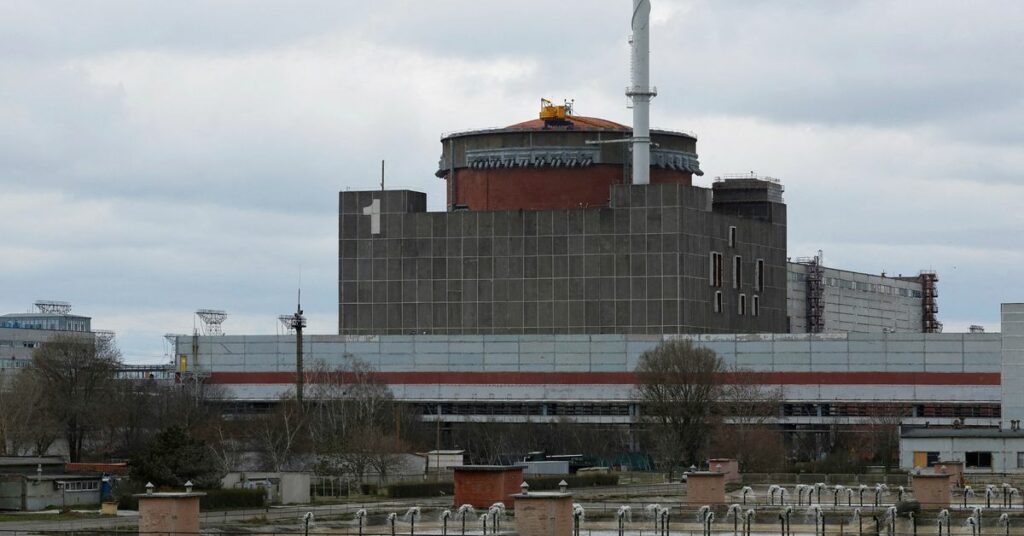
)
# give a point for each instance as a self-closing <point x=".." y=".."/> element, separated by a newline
<point x="576" y="122"/>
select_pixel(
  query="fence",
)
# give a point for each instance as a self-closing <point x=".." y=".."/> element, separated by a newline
<point x="340" y="486"/>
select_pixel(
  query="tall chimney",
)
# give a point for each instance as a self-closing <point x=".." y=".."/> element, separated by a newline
<point x="640" y="91"/>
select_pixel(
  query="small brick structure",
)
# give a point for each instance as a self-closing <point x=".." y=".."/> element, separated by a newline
<point x="727" y="466"/>
<point x="483" y="485"/>
<point x="544" y="514"/>
<point x="932" y="490"/>
<point x="169" y="513"/>
<point x="954" y="469"/>
<point x="705" y="487"/>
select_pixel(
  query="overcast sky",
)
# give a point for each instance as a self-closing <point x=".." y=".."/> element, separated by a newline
<point x="158" y="157"/>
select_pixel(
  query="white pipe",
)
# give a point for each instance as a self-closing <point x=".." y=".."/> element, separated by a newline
<point x="640" y="91"/>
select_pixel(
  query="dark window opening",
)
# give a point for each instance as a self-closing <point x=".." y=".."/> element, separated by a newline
<point x="978" y="459"/>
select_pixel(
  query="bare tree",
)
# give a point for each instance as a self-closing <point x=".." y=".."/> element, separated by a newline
<point x="25" y="424"/>
<point x="747" y="430"/>
<point x="276" y="436"/>
<point x="77" y="375"/>
<point x="387" y="456"/>
<point x="347" y="397"/>
<point x="677" y="387"/>
<point x="355" y="425"/>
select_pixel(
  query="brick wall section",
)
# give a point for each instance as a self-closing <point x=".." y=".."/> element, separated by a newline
<point x="546" y="188"/>
<point x="169" y="514"/>
<point x="727" y="466"/>
<point x="705" y="488"/>
<point x="954" y="469"/>
<point x="544" y="514"/>
<point x="932" y="491"/>
<point x="482" y="486"/>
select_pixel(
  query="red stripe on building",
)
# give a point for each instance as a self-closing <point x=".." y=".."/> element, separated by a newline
<point x="628" y="378"/>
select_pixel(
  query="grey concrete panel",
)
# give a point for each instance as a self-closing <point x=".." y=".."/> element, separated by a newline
<point x="792" y="346"/>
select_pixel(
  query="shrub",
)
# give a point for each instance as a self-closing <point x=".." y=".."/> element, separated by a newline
<point x="543" y="483"/>
<point x="214" y="499"/>
<point x="232" y="498"/>
<point x="420" y="489"/>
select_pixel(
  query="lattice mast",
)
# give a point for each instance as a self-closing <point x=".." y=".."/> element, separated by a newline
<point x="295" y="324"/>
<point x="53" y="307"/>
<point x="212" y="320"/>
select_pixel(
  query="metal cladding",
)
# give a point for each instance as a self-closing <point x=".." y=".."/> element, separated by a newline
<point x="827" y="378"/>
<point x="640" y="90"/>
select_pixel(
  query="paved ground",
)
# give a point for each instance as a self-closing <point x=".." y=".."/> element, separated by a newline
<point x="287" y="515"/>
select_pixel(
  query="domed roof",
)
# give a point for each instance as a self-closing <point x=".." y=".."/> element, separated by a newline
<point x="573" y="122"/>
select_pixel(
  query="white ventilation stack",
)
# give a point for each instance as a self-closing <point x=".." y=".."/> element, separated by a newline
<point x="640" y="90"/>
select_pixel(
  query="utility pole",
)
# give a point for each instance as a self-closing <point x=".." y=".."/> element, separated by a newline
<point x="297" y="322"/>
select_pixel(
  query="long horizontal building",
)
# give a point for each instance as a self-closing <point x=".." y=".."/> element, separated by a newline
<point x="825" y="299"/>
<point x="826" y="378"/>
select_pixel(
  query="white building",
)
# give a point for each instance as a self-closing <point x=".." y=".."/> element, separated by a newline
<point x="997" y="449"/>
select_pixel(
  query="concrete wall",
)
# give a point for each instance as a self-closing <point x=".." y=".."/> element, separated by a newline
<point x="1012" y="362"/>
<point x="287" y="487"/>
<point x="830" y="352"/>
<point x="20" y="493"/>
<point x="1004" y="451"/>
<point x="554" y="467"/>
<point x="597" y="368"/>
<point x="17" y="345"/>
<point x="856" y="302"/>
<point x="639" y="266"/>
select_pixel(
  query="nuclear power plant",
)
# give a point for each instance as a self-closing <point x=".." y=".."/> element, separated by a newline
<point x="572" y="244"/>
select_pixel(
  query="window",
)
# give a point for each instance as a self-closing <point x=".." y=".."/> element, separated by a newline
<point x="737" y="271"/>
<point x="79" y="485"/>
<point x="718" y="301"/>
<point x="1020" y="460"/>
<point x="732" y="236"/>
<point x="743" y="304"/>
<point x="759" y="276"/>
<point x="715" y="270"/>
<point x="924" y="459"/>
<point x="756" y="306"/>
<point x="978" y="459"/>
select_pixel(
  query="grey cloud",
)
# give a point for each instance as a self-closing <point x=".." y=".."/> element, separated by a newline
<point x="198" y="147"/>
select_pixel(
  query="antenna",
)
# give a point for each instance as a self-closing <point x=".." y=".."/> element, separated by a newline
<point x="53" y="307"/>
<point x="295" y="324"/>
<point x="382" y="175"/>
<point x="212" y="320"/>
<point x="286" y="321"/>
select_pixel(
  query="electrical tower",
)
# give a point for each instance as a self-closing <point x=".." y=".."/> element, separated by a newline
<point x="212" y="320"/>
